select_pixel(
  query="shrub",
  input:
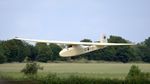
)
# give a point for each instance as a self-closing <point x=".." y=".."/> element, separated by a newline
<point x="134" y="72"/>
<point x="31" y="68"/>
<point x="51" y="78"/>
<point x="135" y="76"/>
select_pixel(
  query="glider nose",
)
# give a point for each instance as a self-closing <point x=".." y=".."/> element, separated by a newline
<point x="63" y="53"/>
<point x="67" y="53"/>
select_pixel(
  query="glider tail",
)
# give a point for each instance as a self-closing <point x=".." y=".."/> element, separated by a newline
<point x="103" y="39"/>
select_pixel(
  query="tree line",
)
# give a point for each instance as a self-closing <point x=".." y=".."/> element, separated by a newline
<point x="19" y="51"/>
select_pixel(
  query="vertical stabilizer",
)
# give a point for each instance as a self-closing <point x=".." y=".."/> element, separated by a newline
<point x="103" y="39"/>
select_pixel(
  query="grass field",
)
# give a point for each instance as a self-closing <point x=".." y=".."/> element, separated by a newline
<point x="95" y="70"/>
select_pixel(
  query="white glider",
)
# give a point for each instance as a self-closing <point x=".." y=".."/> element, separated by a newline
<point x="78" y="48"/>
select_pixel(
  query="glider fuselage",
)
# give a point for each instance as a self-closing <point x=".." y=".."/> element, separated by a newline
<point x="78" y="50"/>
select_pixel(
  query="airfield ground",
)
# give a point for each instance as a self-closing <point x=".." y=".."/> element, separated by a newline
<point x="94" y="70"/>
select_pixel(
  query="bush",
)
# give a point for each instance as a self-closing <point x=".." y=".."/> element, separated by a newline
<point x="52" y="78"/>
<point x="31" y="68"/>
<point x="135" y="76"/>
<point x="134" y="72"/>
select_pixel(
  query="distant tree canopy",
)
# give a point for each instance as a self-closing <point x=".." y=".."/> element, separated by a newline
<point x="55" y="51"/>
<point x="144" y="50"/>
<point x="2" y="56"/>
<point x="120" y="53"/>
<point x="44" y="52"/>
<point x="112" y="53"/>
<point x="86" y="40"/>
<point x="17" y="51"/>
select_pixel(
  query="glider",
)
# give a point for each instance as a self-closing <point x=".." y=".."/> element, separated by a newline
<point x="78" y="48"/>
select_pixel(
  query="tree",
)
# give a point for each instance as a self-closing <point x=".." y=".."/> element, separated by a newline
<point x="106" y="54"/>
<point x="86" y="40"/>
<point x="33" y="52"/>
<point x="55" y="51"/>
<point x="136" y="54"/>
<point x="144" y="48"/>
<point x="117" y="39"/>
<point x="2" y="56"/>
<point x="116" y="53"/>
<point x="15" y="50"/>
<point x="147" y="42"/>
<point x="44" y="52"/>
<point x="122" y="53"/>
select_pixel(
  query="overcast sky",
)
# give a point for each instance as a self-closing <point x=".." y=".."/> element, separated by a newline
<point x="74" y="20"/>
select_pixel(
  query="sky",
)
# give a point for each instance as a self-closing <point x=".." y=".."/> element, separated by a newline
<point x="74" y="20"/>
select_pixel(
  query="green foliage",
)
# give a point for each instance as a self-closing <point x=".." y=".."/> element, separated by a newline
<point x="121" y="53"/>
<point x="134" y="72"/>
<point x="15" y="50"/>
<point x="74" y="79"/>
<point x="86" y="40"/>
<point x="44" y="52"/>
<point x="107" y="54"/>
<point x="32" y="52"/>
<point x="116" y="39"/>
<point x="115" y="53"/>
<point x="55" y="52"/>
<point x="144" y="49"/>
<point x="135" y="54"/>
<point x="51" y="78"/>
<point x="31" y="68"/>
<point x="135" y="76"/>
<point x="2" y="56"/>
<point x="147" y="42"/>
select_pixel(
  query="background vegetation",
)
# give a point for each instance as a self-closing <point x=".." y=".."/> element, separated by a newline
<point x="87" y="73"/>
<point x="16" y="51"/>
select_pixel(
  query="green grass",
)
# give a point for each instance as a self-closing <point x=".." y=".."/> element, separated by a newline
<point x="93" y="70"/>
